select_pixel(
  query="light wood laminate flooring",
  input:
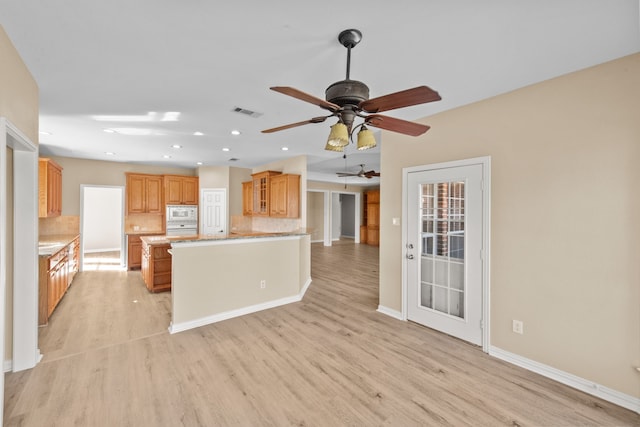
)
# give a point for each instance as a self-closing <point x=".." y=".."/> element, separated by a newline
<point x="330" y="360"/>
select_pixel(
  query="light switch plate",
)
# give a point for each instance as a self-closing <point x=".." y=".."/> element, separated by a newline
<point x="395" y="221"/>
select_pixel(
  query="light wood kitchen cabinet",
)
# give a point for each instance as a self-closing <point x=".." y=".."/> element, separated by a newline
<point x="144" y="194"/>
<point x="56" y="272"/>
<point x="284" y="196"/>
<point x="261" y="192"/>
<point x="156" y="266"/>
<point x="247" y="198"/>
<point x="49" y="188"/>
<point x="181" y="190"/>
<point x="373" y="217"/>
<point x="134" y="252"/>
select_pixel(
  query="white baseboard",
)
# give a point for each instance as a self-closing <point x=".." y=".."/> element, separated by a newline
<point x="8" y="365"/>
<point x="390" y="312"/>
<point x="594" y="389"/>
<point x="183" y="326"/>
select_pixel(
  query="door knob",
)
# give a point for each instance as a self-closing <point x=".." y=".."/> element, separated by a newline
<point x="409" y="256"/>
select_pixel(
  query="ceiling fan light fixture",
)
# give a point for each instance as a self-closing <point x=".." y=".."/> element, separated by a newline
<point x="366" y="139"/>
<point x="339" y="135"/>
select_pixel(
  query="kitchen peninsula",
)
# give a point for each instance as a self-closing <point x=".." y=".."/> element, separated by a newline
<point x="215" y="278"/>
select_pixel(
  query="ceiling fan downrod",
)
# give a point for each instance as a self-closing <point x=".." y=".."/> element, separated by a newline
<point x="349" y="39"/>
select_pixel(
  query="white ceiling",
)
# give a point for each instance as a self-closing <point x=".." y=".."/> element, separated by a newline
<point x="204" y="58"/>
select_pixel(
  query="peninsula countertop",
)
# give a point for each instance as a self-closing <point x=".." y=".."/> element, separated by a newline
<point x="163" y="239"/>
<point x="49" y="245"/>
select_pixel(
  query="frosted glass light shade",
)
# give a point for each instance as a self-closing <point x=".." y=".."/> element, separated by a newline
<point x="366" y="139"/>
<point x="339" y="136"/>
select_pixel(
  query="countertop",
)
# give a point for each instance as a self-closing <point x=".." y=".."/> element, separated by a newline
<point x="49" y="245"/>
<point x="164" y="240"/>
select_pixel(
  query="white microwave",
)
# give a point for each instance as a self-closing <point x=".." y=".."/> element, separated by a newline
<point x="182" y="214"/>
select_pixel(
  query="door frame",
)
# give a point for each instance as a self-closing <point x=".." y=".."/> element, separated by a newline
<point x="485" y="162"/>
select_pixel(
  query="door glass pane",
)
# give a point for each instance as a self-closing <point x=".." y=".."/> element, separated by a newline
<point x="442" y="252"/>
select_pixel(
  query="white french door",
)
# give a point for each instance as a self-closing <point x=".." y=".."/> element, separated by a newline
<point x="443" y="250"/>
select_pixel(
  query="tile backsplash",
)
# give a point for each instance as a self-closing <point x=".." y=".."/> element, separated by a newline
<point x="66" y="224"/>
<point x="241" y="223"/>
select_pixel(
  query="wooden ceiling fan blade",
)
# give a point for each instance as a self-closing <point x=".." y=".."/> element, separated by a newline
<point x="343" y="174"/>
<point x="404" y="98"/>
<point x="371" y="174"/>
<point x="293" y="125"/>
<point x="396" y="125"/>
<point x="286" y="90"/>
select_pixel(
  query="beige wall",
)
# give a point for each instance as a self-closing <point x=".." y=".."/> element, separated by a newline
<point x="236" y="177"/>
<point x="564" y="216"/>
<point x="315" y="215"/>
<point x="18" y="90"/>
<point x="209" y="280"/>
<point x="19" y="104"/>
<point x="77" y="172"/>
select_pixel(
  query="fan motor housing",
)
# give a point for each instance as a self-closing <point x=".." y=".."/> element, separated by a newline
<point x="347" y="92"/>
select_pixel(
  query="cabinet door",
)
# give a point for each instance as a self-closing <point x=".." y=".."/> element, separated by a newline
<point x="154" y="194"/>
<point x="190" y="190"/>
<point x="136" y="194"/>
<point x="172" y="190"/>
<point x="247" y="198"/>
<point x="134" y="252"/>
<point x="278" y="197"/>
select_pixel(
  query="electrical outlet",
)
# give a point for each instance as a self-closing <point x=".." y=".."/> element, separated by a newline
<point x="518" y="327"/>
<point x="263" y="284"/>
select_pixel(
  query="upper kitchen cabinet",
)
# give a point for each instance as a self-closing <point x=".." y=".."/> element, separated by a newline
<point x="144" y="194"/>
<point x="247" y="198"/>
<point x="284" y="196"/>
<point x="181" y="190"/>
<point x="49" y="188"/>
<point x="261" y="192"/>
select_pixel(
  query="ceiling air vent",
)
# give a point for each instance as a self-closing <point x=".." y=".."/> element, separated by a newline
<point x="233" y="159"/>
<point x="247" y="112"/>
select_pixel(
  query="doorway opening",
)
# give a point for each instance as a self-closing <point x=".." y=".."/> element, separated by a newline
<point x="102" y="228"/>
<point x="332" y="215"/>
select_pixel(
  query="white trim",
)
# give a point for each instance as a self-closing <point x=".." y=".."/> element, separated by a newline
<point x="8" y="365"/>
<point x="391" y="312"/>
<point x="589" y="387"/>
<point x="183" y="326"/>
<point x="486" y="235"/>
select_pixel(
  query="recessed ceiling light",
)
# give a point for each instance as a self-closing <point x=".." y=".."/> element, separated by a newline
<point x="285" y="148"/>
<point x="166" y="156"/>
<point x="225" y="149"/>
<point x="109" y="130"/>
<point x="235" y="132"/>
<point x="44" y="133"/>
<point x="199" y="163"/>
<point x="198" y="133"/>
<point x="109" y="153"/>
<point x="171" y="116"/>
<point x="176" y="146"/>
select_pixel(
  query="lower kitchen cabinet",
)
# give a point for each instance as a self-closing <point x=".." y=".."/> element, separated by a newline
<point x="156" y="266"/>
<point x="56" y="273"/>
<point x="134" y="252"/>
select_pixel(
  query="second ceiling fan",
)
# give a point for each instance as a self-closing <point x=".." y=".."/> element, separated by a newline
<point x="348" y="99"/>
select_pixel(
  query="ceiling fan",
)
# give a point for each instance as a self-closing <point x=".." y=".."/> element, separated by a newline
<point x="360" y="174"/>
<point x="348" y="99"/>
